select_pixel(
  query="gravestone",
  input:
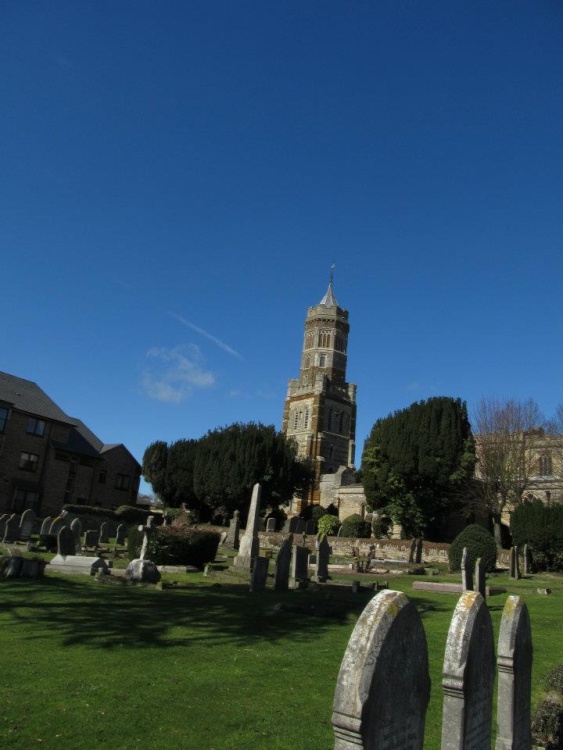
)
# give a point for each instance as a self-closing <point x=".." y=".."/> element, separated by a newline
<point x="479" y="582"/>
<point x="76" y="528"/>
<point x="321" y="563"/>
<point x="46" y="526"/>
<point x="234" y="530"/>
<point x="293" y="524"/>
<point x="311" y="527"/>
<point x="26" y="524"/>
<point x="286" y="526"/>
<point x="3" y="519"/>
<point x="121" y="534"/>
<point x="249" y="544"/>
<point x="104" y="533"/>
<point x="514" y="664"/>
<point x="14" y="567"/>
<point x="412" y="550"/>
<point x="383" y="686"/>
<point x="141" y="570"/>
<point x="57" y="523"/>
<point x="514" y="564"/>
<point x="259" y="574"/>
<point x="11" y="529"/>
<point x="271" y="524"/>
<point x="466" y="571"/>
<point x="91" y="538"/>
<point x="419" y="549"/>
<point x="66" y="544"/>
<point x="527" y="559"/>
<point x="283" y="561"/>
<point x="468" y="676"/>
<point x="301" y="526"/>
<point x="299" y="569"/>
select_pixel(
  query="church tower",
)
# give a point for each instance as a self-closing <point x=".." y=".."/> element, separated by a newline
<point x="320" y="406"/>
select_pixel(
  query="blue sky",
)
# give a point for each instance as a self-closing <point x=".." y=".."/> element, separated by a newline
<point x="177" y="179"/>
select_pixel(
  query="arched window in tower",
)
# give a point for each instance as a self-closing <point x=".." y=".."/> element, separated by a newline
<point x="339" y="342"/>
<point x="324" y="339"/>
<point x="322" y="360"/>
<point x="295" y="419"/>
<point x="307" y="362"/>
<point x="306" y="423"/>
<point x="546" y="468"/>
<point x="309" y="340"/>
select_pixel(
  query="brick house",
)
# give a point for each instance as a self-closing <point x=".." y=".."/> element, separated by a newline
<point x="48" y="459"/>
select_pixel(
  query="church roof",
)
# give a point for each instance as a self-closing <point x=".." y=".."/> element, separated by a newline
<point x="329" y="300"/>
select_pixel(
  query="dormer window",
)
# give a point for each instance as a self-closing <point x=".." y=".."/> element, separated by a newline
<point x="35" y="427"/>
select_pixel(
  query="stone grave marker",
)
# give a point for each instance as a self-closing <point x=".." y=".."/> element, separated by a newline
<point x="301" y="525"/>
<point x="321" y="563"/>
<point x="259" y="574"/>
<point x="514" y="664"/>
<point x="104" y="533"/>
<point x="419" y="549"/>
<point x="11" y="529"/>
<point x="466" y="571"/>
<point x="57" y="523"/>
<point x="293" y="524"/>
<point x="468" y="676"/>
<point x="479" y="582"/>
<point x="299" y="570"/>
<point x="140" y="569"/>
<point x="46" y="526"/>
<point x="121" y="534"/>
<point x="249" y="547"/>
<point x="527" y="559"/>
<point x="76" y="528"/>
<point x="283" y="561"/>
<point x="412" y="550"/>
<point x="3" y="519"/>
<point x="311" y="527"/>
<point x="234" y="531"/>
<point x="91" y="538"/>
<point x="383" y="686"/>
<point x="271" y="524"/>
<point x="27" y="521"/>
<point x="514" y="564"/>
<point x="66" y="543"/>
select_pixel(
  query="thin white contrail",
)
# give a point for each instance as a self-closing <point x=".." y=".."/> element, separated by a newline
<point x="202" y="332"/>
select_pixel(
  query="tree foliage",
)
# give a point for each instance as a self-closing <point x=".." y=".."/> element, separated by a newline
<point x="418" y="463"/>
<point x="541" y="527"/>
<point x="215" y="474"/>
<point x="479" y="543"/>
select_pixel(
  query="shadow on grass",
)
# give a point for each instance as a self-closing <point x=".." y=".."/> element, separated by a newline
<point x="120" y="616"/>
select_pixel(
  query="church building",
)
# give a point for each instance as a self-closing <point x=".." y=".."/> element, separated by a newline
<point x="320" y="406"/>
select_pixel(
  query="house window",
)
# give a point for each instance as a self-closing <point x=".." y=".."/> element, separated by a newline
<point x="122" y="482"/>
<point x="102" y="476"/>
<point x="24" y="499"/>
<point x="3" y="418"/>
<point x="35" y="427"/>
<point x="546" y="468"/>
<point x="29" y="461"/>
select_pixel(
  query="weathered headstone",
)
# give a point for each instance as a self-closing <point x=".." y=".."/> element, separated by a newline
<point x="249" y="544"/>
<point x="141" y="570"/>
<point x="259" y="574"/>
<point x="468" y="676"/>
<point x="299" y="569"/>
<point x="234" y="531"/>
<point x="301" y="526"/>
<point x="271" y="524"/>
<point x="11" y="529"/>
<point x="466" y="571"/>
<point x="283" y="561"/>
<point x="66" y="544"/>
<point x="76" y="528"/>
<point x="121" y="534"/>
<point x="527" y="558"/>
<point x="379" y="704"/>
<point x="412" y="550"/>
<point x="286" y="526"/>
<point x="46" y="526"/>
<point x="419" y="549"/>
<point x="26" y="524"/>
<point x="514" y="564"/>
<point x="14" y="567"/>
<point x="479" y="581"/>
<point x="293" y="524"/>
<point x="514" y="664"/>
<point x="57" y="523"/>
<point x="311" y="527"/>
<point x="104" y="533"/>
<point x="321" y="563"/>
<point x="91" y="538"/>
<point x="3" y="519"/>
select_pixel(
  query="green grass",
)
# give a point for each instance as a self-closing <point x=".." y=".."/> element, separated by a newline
<point x="206" y="665"/>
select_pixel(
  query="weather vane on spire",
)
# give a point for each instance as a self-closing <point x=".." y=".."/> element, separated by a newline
<point x="332" y="271"/>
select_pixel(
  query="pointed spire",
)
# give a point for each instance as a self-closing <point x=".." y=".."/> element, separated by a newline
<point x="329" y="299"/>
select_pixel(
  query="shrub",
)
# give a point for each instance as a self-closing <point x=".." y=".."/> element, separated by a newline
<point x="131" y="514"/>
<point x="328" y="524"/>
<point x="479" y="543"/>
<point x="91" y="510"/>
<point x="547" y="722"/>
<point x="355" y="526"/>
<point x="176" y="545"/>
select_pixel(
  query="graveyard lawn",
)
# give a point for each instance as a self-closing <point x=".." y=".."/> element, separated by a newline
<point x="206" y="664"/>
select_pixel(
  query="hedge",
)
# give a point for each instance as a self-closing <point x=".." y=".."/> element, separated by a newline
<point x="541" y="527"/>
<point x="355" y="526"/>
<point x="176" y="545"/>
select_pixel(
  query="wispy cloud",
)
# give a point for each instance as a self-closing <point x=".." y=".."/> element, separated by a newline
<point x="172" y="375"/>
<point x="202" y="332"/>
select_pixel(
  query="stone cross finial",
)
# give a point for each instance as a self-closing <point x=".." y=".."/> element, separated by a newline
<point x="147" y="531"/>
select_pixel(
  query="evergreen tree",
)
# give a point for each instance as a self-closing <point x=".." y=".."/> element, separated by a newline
<point x="418" y="462"/>
<point x="155" y="460"/>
